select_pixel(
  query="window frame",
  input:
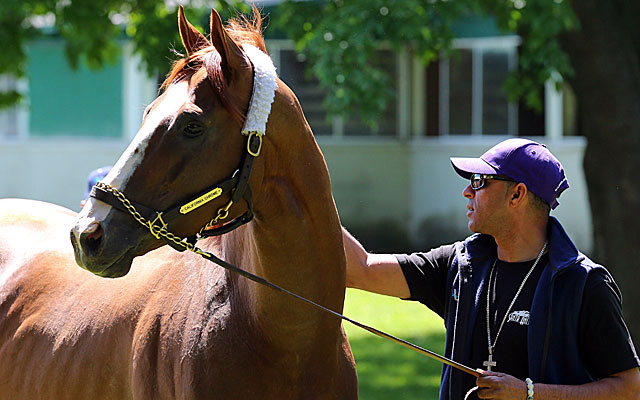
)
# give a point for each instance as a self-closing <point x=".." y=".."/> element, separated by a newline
<point x="478" y="47"/>
<point x="402" y="78"/>
<point x="14" y="120"/>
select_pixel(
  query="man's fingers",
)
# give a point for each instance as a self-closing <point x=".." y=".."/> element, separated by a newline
<point x="486" y="393"/>
<point x="488" y="379"/>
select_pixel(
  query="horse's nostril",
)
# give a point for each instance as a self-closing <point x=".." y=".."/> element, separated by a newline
<point x="96" y="234"/>
<point x="92" y="237"/>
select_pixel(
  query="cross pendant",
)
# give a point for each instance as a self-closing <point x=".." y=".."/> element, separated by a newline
<point x="489" y="363"/>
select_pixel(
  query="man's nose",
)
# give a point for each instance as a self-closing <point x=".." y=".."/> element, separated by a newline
<point x="468" y="192"/>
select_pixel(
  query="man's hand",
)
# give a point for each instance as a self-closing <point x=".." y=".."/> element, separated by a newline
<point x="497" y="385"/>
<point x="623" y="385"/>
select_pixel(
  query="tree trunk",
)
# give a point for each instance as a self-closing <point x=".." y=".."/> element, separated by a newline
<point x="605" y="56"/>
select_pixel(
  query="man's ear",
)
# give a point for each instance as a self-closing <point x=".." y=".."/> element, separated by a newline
<point x="517" y="193"/>
<point x="192" y="39"/>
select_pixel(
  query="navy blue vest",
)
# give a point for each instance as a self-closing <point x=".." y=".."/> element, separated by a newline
<point x="553" y="325"/>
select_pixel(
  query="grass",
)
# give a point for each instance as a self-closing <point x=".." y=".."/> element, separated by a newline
<point x="387" y="370"/>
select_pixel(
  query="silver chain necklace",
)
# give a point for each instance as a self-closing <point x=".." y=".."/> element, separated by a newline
<point x="490" y="362"/>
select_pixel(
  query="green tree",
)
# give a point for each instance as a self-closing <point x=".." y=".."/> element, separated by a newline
<point x="91" y="30"/>
<point x="593" y="45"/>
<point x="340" y="37"/>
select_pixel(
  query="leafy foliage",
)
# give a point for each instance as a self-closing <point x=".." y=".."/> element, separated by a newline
<point x="339" y="38"/>
<point x="540" y="23"/>
<point x="91" y="30"/>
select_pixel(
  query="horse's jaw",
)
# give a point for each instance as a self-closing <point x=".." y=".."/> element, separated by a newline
<point x="102" y="267"/>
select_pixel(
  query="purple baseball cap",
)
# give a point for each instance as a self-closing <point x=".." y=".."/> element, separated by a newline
<point x="522" y="160"/>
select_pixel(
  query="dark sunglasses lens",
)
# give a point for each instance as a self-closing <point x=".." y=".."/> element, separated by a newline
<point x="477" y="181"/>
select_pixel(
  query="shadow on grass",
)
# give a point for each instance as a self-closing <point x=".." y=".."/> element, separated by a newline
<point x="389" y="371"/>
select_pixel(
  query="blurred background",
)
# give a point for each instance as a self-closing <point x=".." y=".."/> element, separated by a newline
<point x="391" y="88"/>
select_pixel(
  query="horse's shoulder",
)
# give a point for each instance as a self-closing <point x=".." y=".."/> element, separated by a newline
<point x="33" y="212"/>
<point x="29" y="228"/>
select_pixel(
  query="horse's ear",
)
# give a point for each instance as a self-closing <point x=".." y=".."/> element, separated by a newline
<point x="232" y="56"/>
<point x="192" y="39"/>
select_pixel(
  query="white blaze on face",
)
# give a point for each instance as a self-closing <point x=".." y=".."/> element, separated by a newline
<point x="172" y="101"/>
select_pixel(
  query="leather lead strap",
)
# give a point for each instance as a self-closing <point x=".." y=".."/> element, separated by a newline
<point x="241" y="190"/>
<point x="211" y="257"/>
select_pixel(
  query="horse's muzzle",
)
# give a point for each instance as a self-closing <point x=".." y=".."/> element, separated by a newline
<point x="103" y="251"/>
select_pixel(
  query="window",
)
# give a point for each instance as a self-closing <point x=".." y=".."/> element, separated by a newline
<point x="388" y="123"/>
<point x="459" y="90"/>
<point x="496" y="115"/>
<point x="292" y="70"/>
<point x="12" y="119"/>
<point x="454" y="97"/>
<point x="469" y="87"/>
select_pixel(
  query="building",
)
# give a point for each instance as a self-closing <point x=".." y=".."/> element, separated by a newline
<point x="394" y="186"/>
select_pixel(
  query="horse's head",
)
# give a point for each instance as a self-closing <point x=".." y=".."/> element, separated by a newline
<point x="182" y="159"/>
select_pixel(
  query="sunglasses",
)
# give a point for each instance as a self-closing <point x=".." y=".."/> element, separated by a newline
<point x="478" y="180"/>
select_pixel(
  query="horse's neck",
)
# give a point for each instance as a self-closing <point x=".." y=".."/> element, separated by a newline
<point x="295" y="242"/>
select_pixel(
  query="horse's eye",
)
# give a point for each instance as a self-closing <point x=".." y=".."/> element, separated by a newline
<point x="193" y="129"/>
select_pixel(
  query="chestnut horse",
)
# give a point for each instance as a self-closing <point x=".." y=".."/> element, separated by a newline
<point x="178" y="326"/>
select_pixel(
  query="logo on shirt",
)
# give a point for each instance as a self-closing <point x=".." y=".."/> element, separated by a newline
<point x="520" y="317"/>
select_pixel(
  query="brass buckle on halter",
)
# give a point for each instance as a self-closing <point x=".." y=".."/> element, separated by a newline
<point x="158" y="229"/>
<point x="224" y="211"/>
<point x="256" y="152"/>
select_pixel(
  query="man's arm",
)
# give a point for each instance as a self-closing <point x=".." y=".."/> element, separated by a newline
<point x="377" y="273"/>
<point x="624" y="385"/>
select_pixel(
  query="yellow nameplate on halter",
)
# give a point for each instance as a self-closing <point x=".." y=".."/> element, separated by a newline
<point x="205" y="198"/>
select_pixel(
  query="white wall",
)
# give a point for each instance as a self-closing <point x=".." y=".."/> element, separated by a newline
<point x="409" y="184"/>
<point x="413" y="183"/>
<point x="53" y="170"/>
<point x="397" y="186"/>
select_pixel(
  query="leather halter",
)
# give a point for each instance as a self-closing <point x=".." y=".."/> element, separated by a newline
<point x="262" y="95"/>
<point x="158" y="221"/>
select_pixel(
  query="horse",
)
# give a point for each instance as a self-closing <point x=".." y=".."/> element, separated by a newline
<point x="170" y="324"/>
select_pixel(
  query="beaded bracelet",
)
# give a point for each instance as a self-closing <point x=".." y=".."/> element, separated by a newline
<point x="529" y="383"/>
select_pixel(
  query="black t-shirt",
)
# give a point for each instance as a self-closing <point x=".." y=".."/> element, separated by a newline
<point x="510" y="353"/>
<point x="605" y="344"/>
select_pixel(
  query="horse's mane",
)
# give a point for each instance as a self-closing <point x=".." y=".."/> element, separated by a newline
<point x="242" y="30"/>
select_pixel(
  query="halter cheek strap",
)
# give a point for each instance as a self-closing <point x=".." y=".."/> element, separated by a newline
<point x="158" y="221"/>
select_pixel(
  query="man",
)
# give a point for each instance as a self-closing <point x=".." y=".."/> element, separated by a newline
<point x="518" y="299"/>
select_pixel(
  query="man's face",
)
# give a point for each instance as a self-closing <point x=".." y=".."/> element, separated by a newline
<point x="487" y="207"/>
